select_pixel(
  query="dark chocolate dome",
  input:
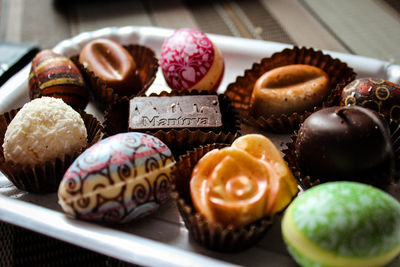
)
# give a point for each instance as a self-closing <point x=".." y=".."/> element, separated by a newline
<point x="346" y="143"/>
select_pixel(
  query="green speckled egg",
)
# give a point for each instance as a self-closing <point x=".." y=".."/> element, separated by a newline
<point x="343" y="224"/>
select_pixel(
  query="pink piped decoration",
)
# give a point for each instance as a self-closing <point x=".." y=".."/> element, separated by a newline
<point x="186" y="57"/>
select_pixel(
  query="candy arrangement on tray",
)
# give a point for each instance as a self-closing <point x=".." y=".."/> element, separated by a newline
<point x="329" y="185"/>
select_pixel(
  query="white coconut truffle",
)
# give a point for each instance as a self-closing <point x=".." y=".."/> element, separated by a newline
<point x="44" y="129"/>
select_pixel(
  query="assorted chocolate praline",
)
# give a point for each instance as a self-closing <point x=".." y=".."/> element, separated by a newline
<point x="112" y="64"/>
<point x="175" y="112"/>
<point x="289" y="89"/>
<point x="190" y="60"/>
<point x="373" y="93"/>
<point x="346" y="143"/>
<point x="119" y="179"/>
<point x="57" y="76"/>
<point x="288" y="113"/>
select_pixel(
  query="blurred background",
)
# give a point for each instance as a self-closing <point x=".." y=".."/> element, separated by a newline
<point x="363" y="27"/>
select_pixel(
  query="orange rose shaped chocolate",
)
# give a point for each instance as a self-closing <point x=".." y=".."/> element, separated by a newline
<point x="240" y="184"/>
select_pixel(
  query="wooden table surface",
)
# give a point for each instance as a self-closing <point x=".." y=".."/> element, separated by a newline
<point x="363" y="27"/>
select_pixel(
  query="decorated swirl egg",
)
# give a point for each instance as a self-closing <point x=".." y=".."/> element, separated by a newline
<point x="57" y="76"/>
<point x="119" y="179"/>
<point x="189" y="60"/>
<point x="373" y="93"/>
<point x="343" y="224"/>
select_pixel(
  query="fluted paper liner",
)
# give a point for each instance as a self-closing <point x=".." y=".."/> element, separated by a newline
<point x="178" y="140"/>
<point x="305" y="181"/>
<point x="146" y="68"/>
<point x="394" y="126"/>
<point x="381" y="179"/>
<point x="241" y="90"/>
<point x="209" y="234"/>
<point x="45" y="177"/>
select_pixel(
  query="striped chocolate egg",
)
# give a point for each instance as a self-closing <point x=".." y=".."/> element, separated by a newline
<point x="57" y="76"/>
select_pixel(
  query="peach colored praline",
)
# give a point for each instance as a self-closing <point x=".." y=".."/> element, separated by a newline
<point x="240" y="184"/>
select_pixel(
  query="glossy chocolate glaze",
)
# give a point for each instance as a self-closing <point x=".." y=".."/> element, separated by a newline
<point x="288" y="89"/>
<point x="345" y="143"/>
<point x="112" y="64"/>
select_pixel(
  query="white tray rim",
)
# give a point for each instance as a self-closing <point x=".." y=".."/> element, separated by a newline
<point x="125" y="246"/>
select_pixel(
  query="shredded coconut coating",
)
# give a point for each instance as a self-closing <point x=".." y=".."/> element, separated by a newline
<point x="44" y="129"/>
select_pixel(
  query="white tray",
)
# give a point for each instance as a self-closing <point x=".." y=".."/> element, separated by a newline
<point x="160" y="239"/>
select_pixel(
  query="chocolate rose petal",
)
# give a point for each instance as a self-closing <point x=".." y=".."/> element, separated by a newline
<point x="208" y="234"/>
<point x="241" y="184"/>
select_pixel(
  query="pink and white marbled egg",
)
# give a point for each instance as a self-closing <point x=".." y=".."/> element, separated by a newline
<point x="189" y="60"/>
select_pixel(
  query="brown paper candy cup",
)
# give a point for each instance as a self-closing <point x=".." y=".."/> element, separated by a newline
<point x="304" y="180"/>
<point x="146" y="69"/>
<point x="45" y="177"/>
<point x="209" y="234"/>
<point x="394" y="126"/>
<point x="178" y="140"/>
<point x="381" y="179"/>
<point x="241" y="90"/>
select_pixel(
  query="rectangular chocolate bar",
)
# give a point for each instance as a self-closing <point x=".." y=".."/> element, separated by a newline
<point x="174" y="112"/>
